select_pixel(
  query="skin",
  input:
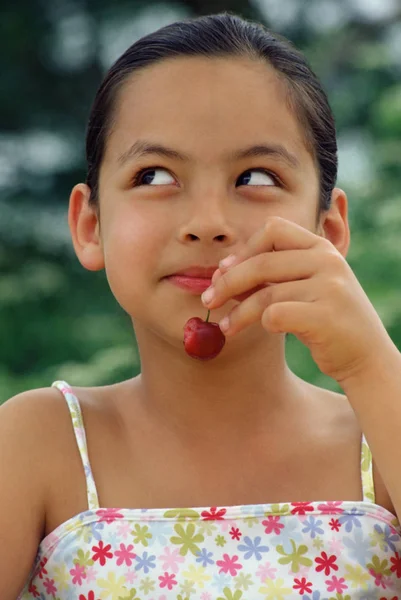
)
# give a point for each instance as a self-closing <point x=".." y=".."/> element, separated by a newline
<point x="199" y="216"/>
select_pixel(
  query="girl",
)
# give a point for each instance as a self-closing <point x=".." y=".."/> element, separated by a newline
<point x="231" y="478"/>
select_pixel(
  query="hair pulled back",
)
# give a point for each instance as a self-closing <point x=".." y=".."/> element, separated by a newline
<point x="222" y="35"/>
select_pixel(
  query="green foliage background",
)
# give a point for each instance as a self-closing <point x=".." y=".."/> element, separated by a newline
<point x="58" y="320"/>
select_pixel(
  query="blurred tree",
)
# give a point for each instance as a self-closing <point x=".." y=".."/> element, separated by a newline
<point x="59" y="321"/>
<point x="206" y="7"/>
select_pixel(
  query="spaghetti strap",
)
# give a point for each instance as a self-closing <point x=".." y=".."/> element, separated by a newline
<point x="79" y="430"/>
<point x="368" y="488"/>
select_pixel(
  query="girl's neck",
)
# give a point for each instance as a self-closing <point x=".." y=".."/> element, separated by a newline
<point x="237" y="393"/>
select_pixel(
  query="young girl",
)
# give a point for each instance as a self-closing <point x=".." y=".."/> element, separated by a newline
<point x="228" y="478"/>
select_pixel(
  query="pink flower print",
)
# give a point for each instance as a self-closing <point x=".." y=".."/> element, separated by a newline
<point x="78" y="573"/>
<point x="336" y="546"/>
<point x="228" y="565"/>
<point x="378" y="514"/>
<point x="331" y="508"/>
<point x="235" y="533"/>
<point x="171" y="559"/>
<point x="303" y="571"/>
<point x="91" y="574"/>
<point x="389" y="583"/>
<point x="303" y="586"/>
<point x="50" y="587"/>
<point x="206" y="596"/>
<point x="214" y="514"/>
<point x="336" y="585"/>
<point x="380" y="579"/>
<point x="125" y="554"/>
<point x="101" y="552"/>
<point x="272" y="523"/>
<point x="130" y="576"/>
<point x="301" y="508"/>
<point x="109" y="514"/>
<point x="326" y="563"/>
<point x="52" y="539"/>
<point x="124" y="529"/>
<point x="266" y="572"/>
<point x="225" y="524"/>
<point x="167" y="580"/>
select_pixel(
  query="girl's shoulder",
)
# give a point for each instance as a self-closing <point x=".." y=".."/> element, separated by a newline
<point x="340" y="431"/>
<point x="47" y="433"/>
<point x="45" y="413"/>
<point x="38" y="411"/>
<point x="43" y="423"/>
<point x="26" y="440"/>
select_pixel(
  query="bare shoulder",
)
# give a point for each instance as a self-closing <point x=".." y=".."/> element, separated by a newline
<point x="33" y="407"/>
<point x="330" y="414"/>
<point x="341" y="430"/>
<point x="26" y="438"/>
<point x="31" y="422"/>
<point x="38" y="416"/>
<point x="44" y="411"/>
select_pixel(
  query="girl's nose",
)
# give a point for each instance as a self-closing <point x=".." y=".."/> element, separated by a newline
<point x="208" y="220"/>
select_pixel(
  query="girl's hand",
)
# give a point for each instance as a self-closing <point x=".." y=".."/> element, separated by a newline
<point x="295" y="281"/>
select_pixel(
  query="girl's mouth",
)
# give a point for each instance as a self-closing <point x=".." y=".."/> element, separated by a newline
<point x="196" y="285"/>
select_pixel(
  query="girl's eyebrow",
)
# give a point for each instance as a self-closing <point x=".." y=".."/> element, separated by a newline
<point x="142" y="148"/>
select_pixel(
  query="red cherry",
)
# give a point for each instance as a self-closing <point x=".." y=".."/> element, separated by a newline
<point x="203" y="339"/>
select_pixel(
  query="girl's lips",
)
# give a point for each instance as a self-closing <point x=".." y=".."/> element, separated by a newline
<point x="192" y="284"/>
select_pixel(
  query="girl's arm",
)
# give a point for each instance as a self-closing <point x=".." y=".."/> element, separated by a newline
<point x="315" y="295"/>
<point x="374" y="392"/>
<point x="22" y="488"/>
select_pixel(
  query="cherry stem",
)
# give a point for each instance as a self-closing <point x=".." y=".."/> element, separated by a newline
<point x="207" y="318"/>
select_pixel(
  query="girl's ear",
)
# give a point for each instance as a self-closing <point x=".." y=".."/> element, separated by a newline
<point x="333" y="223"/>
<point x="85" y="229"/>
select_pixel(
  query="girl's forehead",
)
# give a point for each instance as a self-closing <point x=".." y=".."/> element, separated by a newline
<point x="203" y="85"/>
<point x="202" y="100"/>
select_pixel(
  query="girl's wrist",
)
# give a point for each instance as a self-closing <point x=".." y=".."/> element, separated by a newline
<point x="377" y="368"/>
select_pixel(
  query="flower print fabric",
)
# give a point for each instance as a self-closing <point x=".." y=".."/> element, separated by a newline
<point x="308" y="550"/>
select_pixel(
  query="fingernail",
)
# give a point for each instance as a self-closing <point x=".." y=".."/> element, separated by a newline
<point x="227" y="262"/>
<point x="216" y="275"/>
<point x="224" y="324"/>
<point x="208" y="295"/>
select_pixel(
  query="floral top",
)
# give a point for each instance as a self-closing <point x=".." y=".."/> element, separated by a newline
<point x="319" y="550"/>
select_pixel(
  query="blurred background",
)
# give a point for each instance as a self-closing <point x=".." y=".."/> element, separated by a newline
<point x="59" y="321"/>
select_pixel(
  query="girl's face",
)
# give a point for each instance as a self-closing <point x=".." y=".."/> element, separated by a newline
<point x="202" y="197"/>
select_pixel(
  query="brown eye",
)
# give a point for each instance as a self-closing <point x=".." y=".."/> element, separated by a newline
<point x="151" y="176"/>
<point x="258" y="177"/>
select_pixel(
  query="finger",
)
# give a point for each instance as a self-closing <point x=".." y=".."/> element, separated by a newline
<point x="259" y="270"/>
<point x="251" y="310"/>
<point x="299" y="318"/>
<point x="216" y="275"/>
<point x="276" y="234"/>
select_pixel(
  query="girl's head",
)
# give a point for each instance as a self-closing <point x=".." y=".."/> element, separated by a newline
<point x="198" y="134"/>
<point x="222" y="36"/>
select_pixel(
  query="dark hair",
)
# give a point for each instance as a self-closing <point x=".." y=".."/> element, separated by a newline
<point x="222" y="35"/>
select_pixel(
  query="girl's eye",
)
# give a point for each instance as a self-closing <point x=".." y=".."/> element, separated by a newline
<point x="160" y="176"/>
<point x="261" y="177"/>
<point x="148" y="177"/>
